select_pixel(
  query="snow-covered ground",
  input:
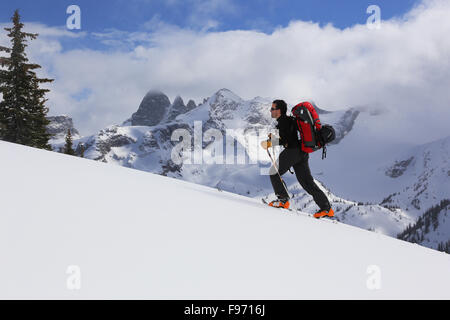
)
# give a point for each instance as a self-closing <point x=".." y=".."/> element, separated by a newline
<point x="75" y="228"/>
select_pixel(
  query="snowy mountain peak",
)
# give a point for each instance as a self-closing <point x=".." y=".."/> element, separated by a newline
<point x="224" y="104"/>
<point x="178" y="101"/>
<point x="224" y="95"/>
<point x="154" y="92"/>
<point x="178" y="107"/>
<point x="156" y="108"/>
<point x="191" y="105"/>
<point x="152" y="109"/>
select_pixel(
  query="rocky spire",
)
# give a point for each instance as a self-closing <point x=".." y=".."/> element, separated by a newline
<point x="151" y="110"/>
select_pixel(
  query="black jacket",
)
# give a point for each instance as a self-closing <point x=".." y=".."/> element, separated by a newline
<point x="289" y="137"/>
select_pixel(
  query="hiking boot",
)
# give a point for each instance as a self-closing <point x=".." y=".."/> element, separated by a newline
<point x="280" y="203"/>
<point x="324" y="213"/>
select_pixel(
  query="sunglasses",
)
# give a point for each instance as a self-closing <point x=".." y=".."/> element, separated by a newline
<point x="271" y="109"/>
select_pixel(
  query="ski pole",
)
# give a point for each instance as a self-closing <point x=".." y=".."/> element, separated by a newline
<point x="278" y="172"/>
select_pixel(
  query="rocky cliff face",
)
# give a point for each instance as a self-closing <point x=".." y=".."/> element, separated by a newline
<point x="156" y="108"/>
<point x="152" y="109"/>
<point x="399" y="168"/>
<point x="178" y="107"/>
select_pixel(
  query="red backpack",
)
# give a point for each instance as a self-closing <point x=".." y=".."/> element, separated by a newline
<point x="313" y="134"/>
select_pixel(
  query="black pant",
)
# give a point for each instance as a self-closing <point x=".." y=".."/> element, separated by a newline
<point x="297" y="159"/>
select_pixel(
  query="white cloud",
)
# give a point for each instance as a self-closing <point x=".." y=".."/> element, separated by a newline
<point x="403" y="68"/>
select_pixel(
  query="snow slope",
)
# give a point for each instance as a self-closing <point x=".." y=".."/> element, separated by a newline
<point x="140" y="235"/>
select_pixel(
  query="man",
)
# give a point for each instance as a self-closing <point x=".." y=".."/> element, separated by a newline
<point x="292" y="156"/>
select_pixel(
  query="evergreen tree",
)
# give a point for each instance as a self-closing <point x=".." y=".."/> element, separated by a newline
<point x="81" y="150"/>
<point x="68" y="147"/>
<point x="22" y="110"/>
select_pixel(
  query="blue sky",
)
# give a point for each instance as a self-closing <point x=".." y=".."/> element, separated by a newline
<point x="131" y="15"/>
<point x="210" y="15"/>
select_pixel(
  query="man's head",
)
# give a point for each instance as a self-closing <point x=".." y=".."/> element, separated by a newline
<point x="279" y="107"/>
